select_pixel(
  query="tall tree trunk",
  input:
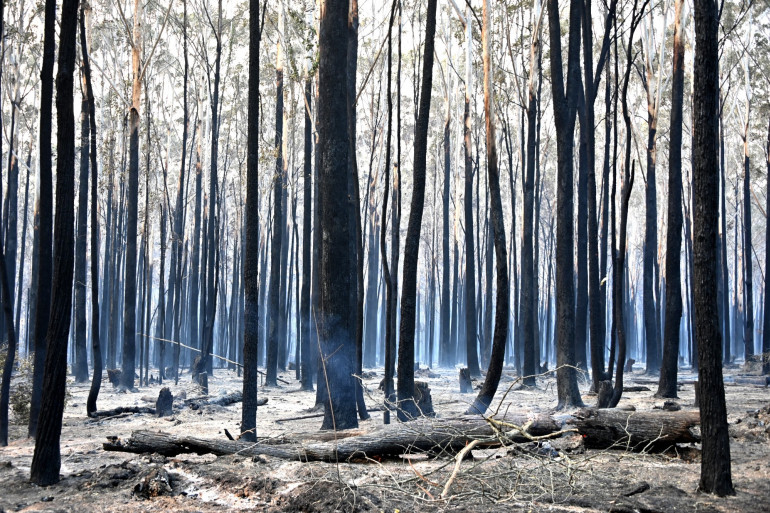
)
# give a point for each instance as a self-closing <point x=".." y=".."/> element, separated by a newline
<point x="306" y="320"/>
<point x="251" y="250"/>
<point x="96" y="347"/>
<point x="445" y="360"/>
<point x="357" y="299"/>
<point x="528" y="274"/>
<point x="390" y="274"/>
<point x="46" y="460"/>
<point x="45" y="210"/>
<point x="668" y="370"/>
<point x="407" y="405"/>
<point x="177" y="237"/>
<point x="726" y="333"/>
<point x="213" y="223"/>
<point x="81" y="356"/>
<point x="564" y="107"/>
<point x="276" y="271"/>
<point x="489" y="388"/>
<point x="20" y="281"/>
<point x="715" y="462"/>
<point x="338" y="347"/>
<point x="129" y="290"/>
<point x="470" y="251"/>
<point x="748" y="273"/>
<point x="628" y="183"/>
<point x="581" y="253"/>
<point x="766" y="319"/>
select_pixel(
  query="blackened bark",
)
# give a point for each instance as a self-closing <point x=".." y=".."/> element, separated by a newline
<point x="305" y="319"/>
<point x="357" y="298"/>
<point x="723" y="248"/>
<point x="132" y="206"/>
<point x="445" y="358"/>
<point x="96" y="347"/>
<point x="715" y="462"/>
<point x="251" y="250"/>
<point x="45" y="210"/>
<point x="668" y="369"/>
<point x="470" y="251"/>
<point x="407" y="405"/>
<point x="391" y="281"/>
<point x="650" y="238"/>
<point x="528" y="277"/>
<point x="766" y="316"/>
<point x="489" y="388"/>
<point x="175" y="278"/>
<point x="336" y="333"/>
<point x="81" y="358"/>
<point x="628" y="183"/>
<point x="565" y="107"/>
<point x="274" y="322"/>
<point x="46" y="460"/>
<point x="581" y="297"/>
<point x="212" y="236"/>
<point x="5" y="387"/>
<point x="748" y="273"/>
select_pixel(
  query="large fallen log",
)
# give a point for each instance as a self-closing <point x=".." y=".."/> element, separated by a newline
<point x="599" y="428"/>
<point x="120" y="410"/>
<point x="222" y="400"/>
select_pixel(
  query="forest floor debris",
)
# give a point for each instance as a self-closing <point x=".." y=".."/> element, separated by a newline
<point x="555" y="475"/>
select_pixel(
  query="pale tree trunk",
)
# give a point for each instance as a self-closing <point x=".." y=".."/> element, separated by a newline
<point x="129" y="290"/>
<point x="489" y="388"/>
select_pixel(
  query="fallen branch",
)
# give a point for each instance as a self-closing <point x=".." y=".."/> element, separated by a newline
<point x="599" y="428"/>
<point x="458" y="461"/>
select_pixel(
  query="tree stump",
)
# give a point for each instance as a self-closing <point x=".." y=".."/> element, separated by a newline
<point x="629" y="367"/>
<point x="466" y="385"/>
<point x="604" y="394"/>
<point x="114" y="376"/>
<point x="423" y="399"/>
<point x="203" y="381"/>
<point x="164" y="406"/>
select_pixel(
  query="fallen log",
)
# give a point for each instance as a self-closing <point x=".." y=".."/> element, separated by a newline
<point x="599" y="428"/>
<point x="223" y="400"/>
<point x="121" y="409"/>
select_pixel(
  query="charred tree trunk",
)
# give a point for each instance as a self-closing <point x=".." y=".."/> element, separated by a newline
<point x="407" y="405"/>
<point x="251" y="250"/>
<point x="489" y="388"/>
<point x="45" y="210"/>
<point x="766" y="319"/>
<point x="336" y="333"/>
<point x="276" y="271"/>
<point x="471" y="330"/>
<point x="564" y="107"/>
<point x="46" y="460"/>
<point x="390" y="275"/>
<point x="668" y="369"/>
<point x="129" y="290"/>
<point x="715" y="461"/>
<point x="81" y="356"/>
<point x="96" y="353"/>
